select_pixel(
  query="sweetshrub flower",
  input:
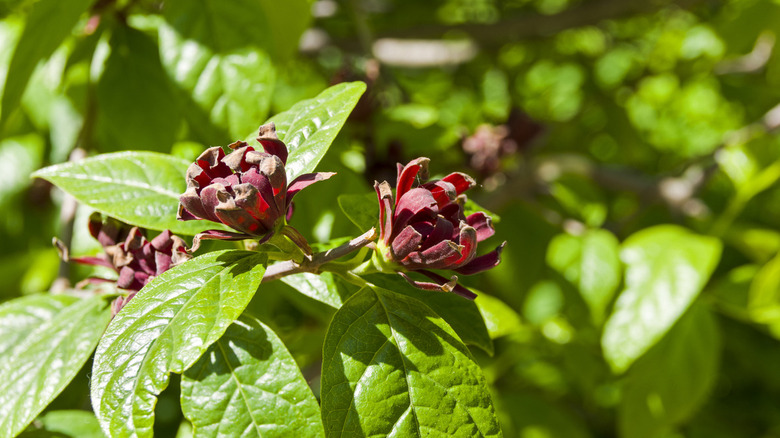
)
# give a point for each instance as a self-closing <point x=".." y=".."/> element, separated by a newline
<point x="246" y="189"/>
<point x="127" y="251"/>
<point x="426" y="228"/>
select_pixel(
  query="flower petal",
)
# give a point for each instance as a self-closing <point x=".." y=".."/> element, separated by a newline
<point x="442" y="230"/>
<point x="216" y="235"/>
<point x="458" y="289"/>
<point x="385" y="196"/>
<point x="482" y="223"/>
<point x="270" y="141"/>
<point x="405" y="242"/>
<point x="237" y="218"/>
<point x="416" y="202"/>
<point x="442" y="191"/>
<point x="304" y="181"/>
<point x="482" y="263"/>
<point x="408" y="174"/>
<point x="461" y="181"/>
<point x="467" y="238"/>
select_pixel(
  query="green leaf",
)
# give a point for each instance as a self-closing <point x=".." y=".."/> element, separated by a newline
<point x="500" y="319"/>
<point x="232" y="89"/>
<point x="69" y="423"/>
<point x="48" y="24"/>
<point x="248" y="385"/>
<point x="310" y="126"/>
<point x="135" y="101"/>
<point x="673" y="379"/>
<point x="140" y="188"/>
<point x="44" y="342"/>
<point x="361" y="210"/>
<point x="461" y="314"/>
<point x="592" y="264"/>
<point x="532" y="416"/>
<point x="764" y="293"/>
<point x="392" y="367"/>
<point x="19" y="157"/>
<point x="321" y="287"/>
<point x="164" y="329"/>
<point x="667" y="266"/>
<point x="224" y="27"/>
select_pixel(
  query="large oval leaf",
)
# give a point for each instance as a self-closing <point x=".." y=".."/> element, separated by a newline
<point x="140" y="188"/>
<point x="667" y="266"/>
<point x="673" y="379"/>
<point x="164" y="329"/>
<point x="248" y="385"/>
<point x="392" y="367"/>
<point x="44" y="342"/>
<point x="310" y="126"/>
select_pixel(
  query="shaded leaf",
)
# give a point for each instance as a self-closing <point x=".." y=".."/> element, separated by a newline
<point x="461" y="314"/>
<point x="48" y="24"/>
<point x="392" y="367"/>
<point x="135" y="101"/>
<point x="166" y="328"/>
<point x="248" y="385"/>
<point x="673" y="379"/>
<point x="68" y="423"/>
<point x="592" y="264"/>
<point x="140" y="188"/>
<point x="361" y="210"/>
<point x="667" y="266"/>
<point x="500" y="319"/>
<point x="310" y="126"/>
<point x="44" y="342"/>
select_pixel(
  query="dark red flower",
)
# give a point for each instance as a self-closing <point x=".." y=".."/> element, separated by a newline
<point x="127" y="251"/>
<point x="425" y="228"/>
<point x="246" y="189"/>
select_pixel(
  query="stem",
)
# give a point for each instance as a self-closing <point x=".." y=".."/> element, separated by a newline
<point x="316" y="261"/>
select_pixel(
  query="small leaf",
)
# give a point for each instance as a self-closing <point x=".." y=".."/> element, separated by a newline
<point x="310" y="126"/>
<point x="392" y="367"/>
<point x="140" y="188"/>
<point x="667" y="267"/>
<point x="232" y="89"/>
<point x="44" y="342"/>
<point x="48" y="24"/>
<point x="500" y="319"/>
<point x="361" y="210"/>
<point x="248" y="385"/>
<point x="70" y="423"/>
<point x="135" y="101"/>
<point x="591" y="263"/>
<point x="461" y="314"/>
<point x="673" y="379"/>
<point x="164" y="329"/>
<point x="321" y="287"/>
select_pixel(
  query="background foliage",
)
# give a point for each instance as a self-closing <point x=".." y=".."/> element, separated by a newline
<point x="628" y="147"/>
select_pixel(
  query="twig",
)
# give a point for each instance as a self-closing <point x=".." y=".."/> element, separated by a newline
<point x="315" y="262"/>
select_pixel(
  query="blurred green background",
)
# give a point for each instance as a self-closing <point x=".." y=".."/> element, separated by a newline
<point x="628" y="147"/>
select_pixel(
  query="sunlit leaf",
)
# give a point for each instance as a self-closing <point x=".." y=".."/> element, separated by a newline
<point x="140" y="188"/>
<point x="392" y="367"/>
<point x="310" y="126"/>
<point x="667" y="266"/>
<point x="500" y="319"/>
<point x="591" y="263"/>
<point x="461" y="314"/>
<point x="57" y="18"/>
<point x="164" y="329"/>
<point x="247" y="384"/>
<point x="321" y="287"/>
<point x="44" y="342"/>
<point x="673" y="379"/>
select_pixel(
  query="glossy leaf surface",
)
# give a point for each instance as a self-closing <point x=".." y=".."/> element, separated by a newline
<point x="667" y="266"/>
<point x="140" y="188"/>
<point x="166" y="328"/>
<point x="248" y="385"/>
<point x="44" y="342"/>
<point x="310" y="126"/>
<point x="590" y="262"/>
<point x="392" y="367"/>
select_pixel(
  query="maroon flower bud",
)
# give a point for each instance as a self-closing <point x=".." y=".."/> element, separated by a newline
<point x="127" y="251"/>
<point x="246" y="189"/>
<point x="425" y="228"/>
